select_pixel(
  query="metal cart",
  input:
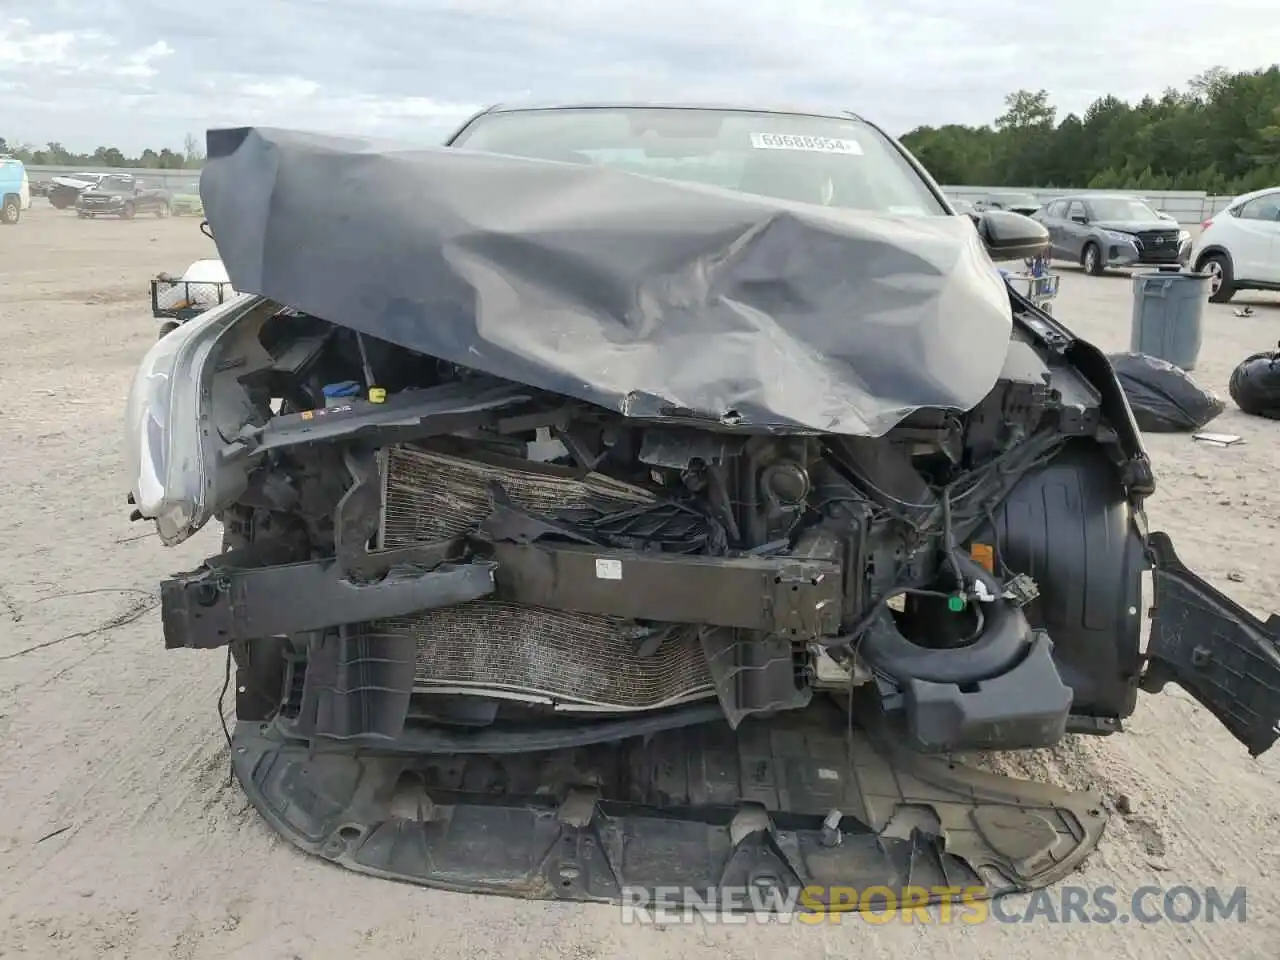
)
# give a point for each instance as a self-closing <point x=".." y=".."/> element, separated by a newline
<point x="1036" y="282"/>
<point x="182" y="299"/>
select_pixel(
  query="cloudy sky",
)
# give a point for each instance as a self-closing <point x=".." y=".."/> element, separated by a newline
<point x="139" y="73"/>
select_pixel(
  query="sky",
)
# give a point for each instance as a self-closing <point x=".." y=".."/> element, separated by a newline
<point x="143" y="73"/>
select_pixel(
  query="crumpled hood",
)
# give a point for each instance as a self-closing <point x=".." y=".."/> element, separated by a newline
<point x="650" y="297"/>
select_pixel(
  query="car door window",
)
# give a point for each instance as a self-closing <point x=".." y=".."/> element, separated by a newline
<point x="1058" y="209"/>
<point x="1076" y="209"/>
<point x="1262" y="208"/>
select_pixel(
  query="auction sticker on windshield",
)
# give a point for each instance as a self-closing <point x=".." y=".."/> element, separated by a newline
<point x="790" y="141"/>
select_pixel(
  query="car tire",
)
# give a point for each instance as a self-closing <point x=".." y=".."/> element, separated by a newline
<point x="1091" y="259"/>
<point x="128" y="212"/>
<point x="1222" y="276"/>
<point x="11" y="212"/>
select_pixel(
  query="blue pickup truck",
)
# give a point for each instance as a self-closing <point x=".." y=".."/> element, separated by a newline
<point x="15" y="190"/>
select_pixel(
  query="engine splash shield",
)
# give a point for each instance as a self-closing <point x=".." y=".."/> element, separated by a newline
<point x="699" y="810"/>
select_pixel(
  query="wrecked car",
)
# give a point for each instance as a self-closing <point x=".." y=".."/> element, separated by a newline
<point x="63" y="191"/>
<point x="657" y="496"/>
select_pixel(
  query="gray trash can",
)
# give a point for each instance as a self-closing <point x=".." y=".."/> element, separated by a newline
<point x="1168" y="316"/>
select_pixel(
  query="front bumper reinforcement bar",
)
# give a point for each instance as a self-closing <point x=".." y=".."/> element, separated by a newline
<point x="793" y="596"/>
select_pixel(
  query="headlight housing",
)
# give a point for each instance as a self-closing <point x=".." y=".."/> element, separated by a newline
<point x="165" y="425"/>
<point x="1115" y="236"/>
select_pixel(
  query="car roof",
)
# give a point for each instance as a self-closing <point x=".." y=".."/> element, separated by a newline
<point x="1254" y="194"/>
<point x="671" y="105"/>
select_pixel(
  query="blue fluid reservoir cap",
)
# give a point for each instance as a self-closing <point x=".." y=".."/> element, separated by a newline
<point x="345" y="388"/>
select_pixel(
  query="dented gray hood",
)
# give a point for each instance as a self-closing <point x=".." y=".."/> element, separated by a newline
<point x="650" y="297"/>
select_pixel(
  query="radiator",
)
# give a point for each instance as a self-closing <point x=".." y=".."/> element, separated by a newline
<point x="495" y="648"/>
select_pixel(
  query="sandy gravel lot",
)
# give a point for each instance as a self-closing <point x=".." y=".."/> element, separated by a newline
<point x="119" y="836"/>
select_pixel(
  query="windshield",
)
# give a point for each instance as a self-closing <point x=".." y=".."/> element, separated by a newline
<point x="1121" y="208"/>
<point x="821" y="160"/>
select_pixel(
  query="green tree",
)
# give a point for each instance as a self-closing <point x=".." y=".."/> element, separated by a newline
<point x="55" y="154"/>
<point x="1025" y="110"/>
<point x="1221" y="134"/>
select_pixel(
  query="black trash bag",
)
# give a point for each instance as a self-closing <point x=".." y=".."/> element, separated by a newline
<point x="1255" y="385"/>
<point x="1163" y="397"/>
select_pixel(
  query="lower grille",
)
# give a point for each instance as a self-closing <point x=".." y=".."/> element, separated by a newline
<point x="495" y="648"/>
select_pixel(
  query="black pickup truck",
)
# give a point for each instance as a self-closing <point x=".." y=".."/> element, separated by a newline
<point x="121" y="195"/>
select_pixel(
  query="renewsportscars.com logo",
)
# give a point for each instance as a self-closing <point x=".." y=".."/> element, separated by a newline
<point x="933" y="905"/>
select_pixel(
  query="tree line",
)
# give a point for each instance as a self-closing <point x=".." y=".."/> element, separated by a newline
<point x="1221" y="135"/>
<point x="54" y="154"/>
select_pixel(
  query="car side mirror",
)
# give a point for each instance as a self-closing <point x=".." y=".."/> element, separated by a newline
<point x="1080" y="218"/>
<point x="1011" y="236"/>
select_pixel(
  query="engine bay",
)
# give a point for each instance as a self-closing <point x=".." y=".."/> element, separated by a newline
<point x="608" y="570"/>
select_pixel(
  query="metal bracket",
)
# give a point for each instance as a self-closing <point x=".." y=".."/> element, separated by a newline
<point x="212" y="608"/>
<point x="356" y="520"/>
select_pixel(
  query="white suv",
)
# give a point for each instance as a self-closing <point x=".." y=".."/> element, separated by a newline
<point x="1240" y="247"/>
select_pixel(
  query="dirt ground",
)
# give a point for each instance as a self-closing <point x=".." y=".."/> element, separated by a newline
<point x="119" y="836"/>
